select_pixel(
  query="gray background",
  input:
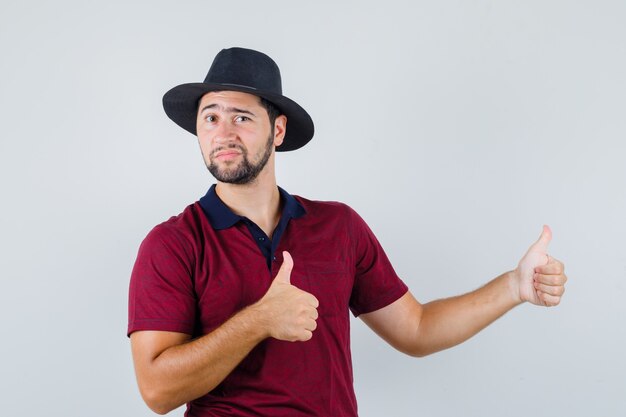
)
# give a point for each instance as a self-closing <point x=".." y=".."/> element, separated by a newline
<point x="455" y="128"/>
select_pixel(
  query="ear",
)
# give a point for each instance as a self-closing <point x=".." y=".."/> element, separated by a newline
<point x="280" y="128"/>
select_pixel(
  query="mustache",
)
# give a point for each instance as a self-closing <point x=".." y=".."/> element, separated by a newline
<point x="229" y="146"/>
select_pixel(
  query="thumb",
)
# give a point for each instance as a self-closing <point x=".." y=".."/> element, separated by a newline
<point x="541" y="245"/>
<point x="284" y="273"/>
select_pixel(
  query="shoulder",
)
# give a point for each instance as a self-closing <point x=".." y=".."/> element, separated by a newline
<point x="334" y="215"/>
<point x="325" y="208"/>
<point x="332" y="209"/>
<point x="178" y="231"/>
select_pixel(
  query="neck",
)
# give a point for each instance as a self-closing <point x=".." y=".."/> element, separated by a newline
<point x="259" y="200"/>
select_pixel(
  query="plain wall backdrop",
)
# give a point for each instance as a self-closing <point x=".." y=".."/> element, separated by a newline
<point x="455" y="128"/>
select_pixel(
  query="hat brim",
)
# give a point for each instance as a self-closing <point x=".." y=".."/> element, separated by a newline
<point x="181" y="105"/>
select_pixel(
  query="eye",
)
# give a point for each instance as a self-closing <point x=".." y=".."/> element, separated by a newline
<point x="210" y="118"/>
<point x="241" y="119"/>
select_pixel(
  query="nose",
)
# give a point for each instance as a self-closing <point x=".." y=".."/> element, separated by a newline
<point x="223" y="132"/>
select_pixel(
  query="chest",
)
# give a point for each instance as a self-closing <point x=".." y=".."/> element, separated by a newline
<point x="232" y="272"/>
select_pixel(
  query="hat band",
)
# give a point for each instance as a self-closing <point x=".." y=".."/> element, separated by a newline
<point x="238" y="85"/>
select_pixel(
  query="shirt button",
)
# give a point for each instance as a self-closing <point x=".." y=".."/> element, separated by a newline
<point x="261" y="239"/>
<point x="274" y="258"/>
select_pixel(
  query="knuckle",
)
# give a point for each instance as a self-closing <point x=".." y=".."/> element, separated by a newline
<point x="554" y="300"/>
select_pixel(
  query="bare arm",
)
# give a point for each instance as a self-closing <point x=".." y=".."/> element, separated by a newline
<point x="172" y="369"/>
<point x="420" y="330"/>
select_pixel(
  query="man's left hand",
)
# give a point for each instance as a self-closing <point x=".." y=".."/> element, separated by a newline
<point x="540" y="278"/>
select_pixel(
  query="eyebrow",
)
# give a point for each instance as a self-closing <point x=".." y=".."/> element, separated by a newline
<point x="227" y="109"/>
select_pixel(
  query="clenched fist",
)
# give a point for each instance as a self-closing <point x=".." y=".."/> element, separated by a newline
<point x="290" y="312"/>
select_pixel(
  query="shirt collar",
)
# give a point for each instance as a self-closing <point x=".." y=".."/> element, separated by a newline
<point x="222" y="217"/>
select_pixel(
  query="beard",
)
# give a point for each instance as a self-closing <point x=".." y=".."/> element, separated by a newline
<point x="245" y="171"/>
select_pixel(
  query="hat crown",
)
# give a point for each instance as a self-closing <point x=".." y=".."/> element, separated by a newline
<point x="246" y="68"/>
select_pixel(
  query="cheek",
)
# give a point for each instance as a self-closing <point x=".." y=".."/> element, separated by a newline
<point x="205" y="146"/>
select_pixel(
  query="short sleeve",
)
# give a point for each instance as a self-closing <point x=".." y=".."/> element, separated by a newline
<point x="161" y="293"/>
<point x="376" y="283"/>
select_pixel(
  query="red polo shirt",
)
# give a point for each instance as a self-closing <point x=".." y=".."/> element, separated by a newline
<point x="197" y="269"/>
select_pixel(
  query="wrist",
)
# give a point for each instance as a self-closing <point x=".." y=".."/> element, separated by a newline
<point x="259" y="318"/>
<point x="513" y="281"/>
<point x="255" y="321"/>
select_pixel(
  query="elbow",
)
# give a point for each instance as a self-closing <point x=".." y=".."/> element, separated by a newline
<point x="414" y="346"/>
<point x="157" y="401"/>
<point x="162" y="400"/>
<point x="416" y="352"/>
<point x="418" y="345"/>
<point x="160" y="409"/>
<point x="420" y="350"/>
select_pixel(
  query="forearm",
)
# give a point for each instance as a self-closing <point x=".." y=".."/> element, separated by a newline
<point x="421" y="329"/>
<point x="171" y="370"/>
<point x="187" y="371"/>
<point x="448" y="322"/>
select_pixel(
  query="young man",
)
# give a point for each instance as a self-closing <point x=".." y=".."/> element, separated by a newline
<point x="239" y="306"/>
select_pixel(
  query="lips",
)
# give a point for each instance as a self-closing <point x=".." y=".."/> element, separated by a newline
<point x="226" y="154"/>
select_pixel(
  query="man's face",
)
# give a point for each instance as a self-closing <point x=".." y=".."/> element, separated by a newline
<point x="235" y="135"/>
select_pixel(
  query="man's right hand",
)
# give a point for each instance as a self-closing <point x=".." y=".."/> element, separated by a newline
<point x="173" y="369"/>
<point x="291" y="313"/>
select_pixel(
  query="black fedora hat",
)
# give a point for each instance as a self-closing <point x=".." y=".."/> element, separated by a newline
<point x="248" y="71"/>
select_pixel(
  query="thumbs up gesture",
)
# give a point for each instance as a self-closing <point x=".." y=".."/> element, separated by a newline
<point x="539" y="277"/>
<point x="290" y="313"/>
